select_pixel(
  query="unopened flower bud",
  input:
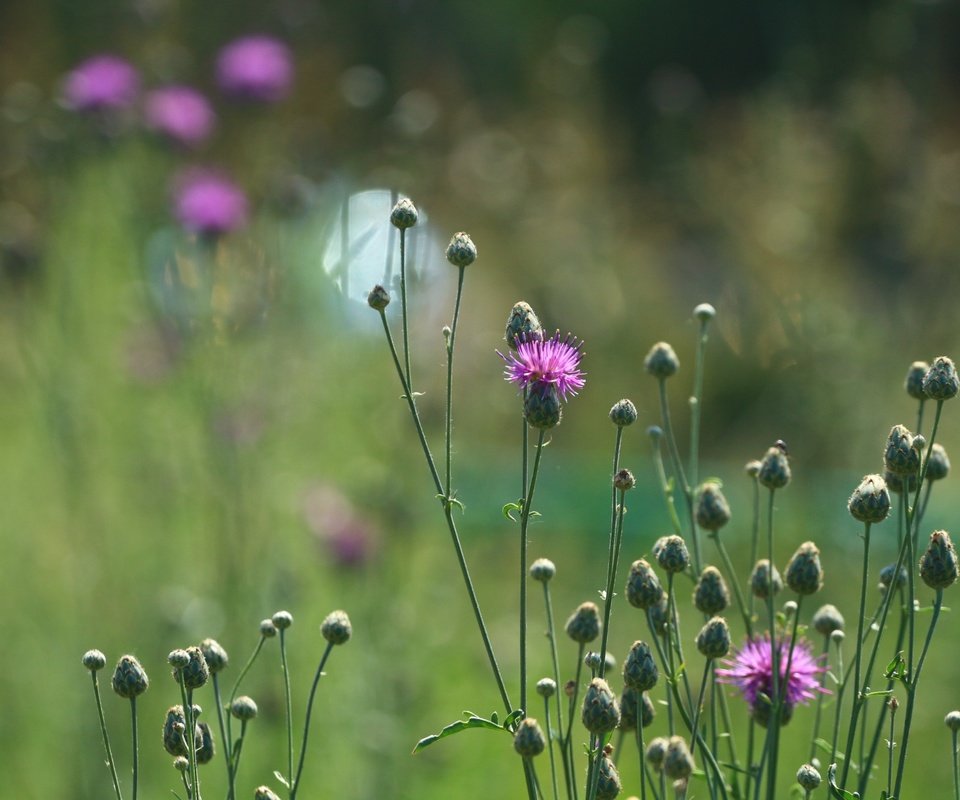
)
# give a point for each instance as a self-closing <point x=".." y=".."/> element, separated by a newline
<point x="243" y="708"/>
<point x="752" y="468"/>
<point x="543" y="570"/>
<point x="941" y="381"/>
<point x="643" y="585"/>
<point x="827" y="619"/>
<point x="713" y="641"/>
<point x="900" y="456"/>
<point x="623" y="413"/>
<point x="181" y="764"/>
<point x="808" y="777"/>
<point x="583" y="626"/>
<point x="938" y="464"/>
<point x="765" y="581"/>
<point x="659" y="615"/>
<point x="661" y="361"/>
<point x="546" y="687"/>
<point x="569" y="688"/>
<point x="336" y="627"/>
<point x="952" y="721"/>
<point x="178" y="659"/>
<point x="870" y="501"/>
<point x="529" y="740"/>
<point x="404" y="214"/>
<point x="600" y="713"/>
<point x="541" y="407"/>
<point x="264" y="793"/>
<point x="898" y="484"/>
<point x="174" y="738"/>
<point x="712" y="510"/>
<point x="938" y="565"/>
<point x="94" y="660"/>
<point x="629" y="698"/>
<point x="914" y="381"/>
<point x="893" y="704"/>
<point x="655" y="432"/>
<point x="379" y="298"/>
<point x="889" y="572"/>
<point x="204" y="744"/>
<point x="608" y="783"/>
<point x="678" y="761"/>
<point x="215" y="656"/>
<point x="522" y="324"/>
<point x="762" y="712"/>
<point x="267" y="629"/>
<point x="671" y="553"/>
<point x="129" y="678"/>
<point x="639" y="668"/>
<point x="704" y="312"/>
<point x="282" y="620"/>
<point x="656" y="752"/>
<point x="837" y="637"/>
<point x="711" y="595"/>
<point x="195" y="673"/>
<point x="774" y="470"/>
<point x="790" y="608"/>
<point x="461" y="252"/>
<point x="624" y="481"/>
<point x="804" y="574"/>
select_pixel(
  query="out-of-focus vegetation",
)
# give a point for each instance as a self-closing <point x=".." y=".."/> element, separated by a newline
<point x="183" y="458"/>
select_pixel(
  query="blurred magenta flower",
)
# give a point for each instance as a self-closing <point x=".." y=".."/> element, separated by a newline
<point x="349" y="539"/>
<point x="538" y="362"/>
<point x="180" y="113"/>
<point x="208" y="202"/>
<point x="255" y="68"/>
<point x="101" y="82"/>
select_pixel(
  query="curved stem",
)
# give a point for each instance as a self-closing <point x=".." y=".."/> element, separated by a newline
<point x="448" y="438"/>
<point x="289" y="709"/>
<point x="106" y="737"/>
<point x="295" y="781"/>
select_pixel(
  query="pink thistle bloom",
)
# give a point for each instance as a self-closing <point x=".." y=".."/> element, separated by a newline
<point x="751" y="671"/>
<point x="180" y="113"/>
<point x="101" y="82"/>
<point x="539" y="363"/>
<point x="258" y="68"/>
<point x="209" y="203"/>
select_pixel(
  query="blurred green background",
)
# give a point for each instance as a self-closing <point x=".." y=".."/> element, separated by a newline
<point x="175" y="470"/>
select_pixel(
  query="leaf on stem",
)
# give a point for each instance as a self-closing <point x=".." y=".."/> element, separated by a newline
<point x="470" y="720"/>
<point x="835" y="791"/>
<point x="279" y="776"/>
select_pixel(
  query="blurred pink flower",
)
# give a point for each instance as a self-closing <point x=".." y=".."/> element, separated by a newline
<point x="101" y="82"/>
<point x="256" y="68"/>
<point x="180" y="113"/>
<point x="208" y="202"/>
<point x="349" y="539"/>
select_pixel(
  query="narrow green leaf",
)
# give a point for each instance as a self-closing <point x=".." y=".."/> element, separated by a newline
<point x="878" y="693"/>
<point x="824" y="745"/>
<point x="835" y="791"/>
<point x="495" y="718"/>
<point x="471" y="721"/>
<point x="279" y="776"/>
<point x="512" y="718"/>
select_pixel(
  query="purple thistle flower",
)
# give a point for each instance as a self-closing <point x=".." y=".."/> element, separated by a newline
<point x="256" y="68"/>
<point x="209" y="203"/>
<point x="539" y="363"/>
<point x="751" y="671"/>
<point x="180" y="113"/>
<point x="101" y="82"/>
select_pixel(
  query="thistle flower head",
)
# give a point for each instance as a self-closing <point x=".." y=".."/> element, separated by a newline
<point x="379" y="298"/>
<point x="282" y="620"/>
<point x="129" y="678"/>
<point x="209" y="203"/>
<point x="704" y="312"/>
<point x="537" y="363"/>
<point x="243" y="708"/>
<point x="751" y="671"/>
<point x="624" y="481"/>
<point x="712" y="510"/>
<point x="522" y="324"/>
<point x="889" y="575"/>
<point x="623" y="413"/>
<point x="671" y="553"/>
<point x="600" y="712"/>
<point x="404" y="214"/>
<point x="952" y="721"/>
<point x="461" y="252"/>
<point x="543" y="570"/>
<point x="101" y="82"/>
<point x="204" y="743"/>
<point x="179" y="113"/>
<point x="257" y="68"/>
<point x="267" y="629"/>
<point x="94" y="660"/>
<point x="828" y="619"/>
<point x="174" y="736"/>
<point x="774" y="472"/>
<point x="541" y="407"/>
<point x="804" y="573"/>
<point x="656" y="752"/>
<point x="914" y="380"/>
<point x="196" y="672"/>
<point x="643" y="585"/>
<point x="628" y="709"/>
<point x="711" y="595"/>
<point x="639" y="668"/>
<point x="901" y="456"/>
<point x="546" y="687"/>
<point x="529" y="740"/>
<point x="870" y="501"/>
<point x="608" y="782"/>
<point x="765" y="580"/>
<point x="583" y="626"/>
<point x="938" y="565"/>
<point x="752" y="468"/>
<point x="808" y="777"/>
<point x="592" y="661"/>
<point x="941" y="381"/>
<point x="898" y="484"/>
<point x="214" y="654"/>
<point x="713" y="641"/>
<point x="678" y="760"/>
<point x="661" y="362"/>
<point x="336" y="627"/>
<point x="659" y="616"/>
<point x="938" y="463"/>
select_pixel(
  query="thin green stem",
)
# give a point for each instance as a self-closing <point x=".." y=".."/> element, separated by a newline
<point x="773" y="727"/>
<point x="678" y="470"/>
<point x="696" y="402"/>
<point x="843" y="679"/>
<point x="186" y="696"/>
<point x="288" y="703"/>
<point x="572" y="712"/>
<point x="227" y="744"/>
<point x="956" y="767"/>
<point x="640" y="751"/>
<point x="235" y="766"/>
<point x="106" y="737"/>
<point x="553" y="760"/>
<point x="697" y="708"/>
<point x="403" y="307"/>
<point x="295" y="785"/>
<point x="665" y="666"/>
<point x="665" y="489"/>
<point x="751" y="731"/>
<point x="451" y="342"/>
<point x="136" y="746"/>
<point x="819" y="711"/>
<point x="524" y="525"/>
<point x="551" y="635"/>
<point x="613" y="513"/>
<point x="616" y="535"/>
<point x="755" y="534"/>
<point x="532" y="772"/>
<point x="890" y="745"/>
<point x="738" y="593"/>
<point x="920" y="414"/>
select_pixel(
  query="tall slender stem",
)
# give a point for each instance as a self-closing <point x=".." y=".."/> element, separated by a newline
<point x="552" y="636"/>
<point x="738" y="593"/>
<point x="890" y="745"/>
<point x="754" y="534"/>
<point x="696" y="710"/>
<point x="643" y="771"/>
<point x="572" y="711"/>
<point x="106" y="737"/>
<point x="956" y="767"/>
<point x="696" y="401"/>
<point x="553" y="760"/>
<point x="773" y="727"/>
<point x="288" y="703"/>
<point x="136" y="745"/>
<point x="679" y="471"/>
<point x="819" y="711"/>
<point x="616" y="534"/>
<point x="295" y="781"/>
<point x="665" y="485"/>
<point x="524" y="524"/>
<point x="403" y="307"/>
<point x="227" y="744"/>
<point x="451" y="342"/>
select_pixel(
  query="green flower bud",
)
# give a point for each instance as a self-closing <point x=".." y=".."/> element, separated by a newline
<point x="215" y="656"/>
<point x="643" y="586"/>
<point x="243" y="708"/>
<point x="941" y="381"/>
<point x="752" y="468"/>
<point x="804" y="574"/>
<point x="379" y="298"/>
<point x="608" y="783"/>
<point x="808" y="777"/>
<point x="583" y="626"/>
<point x="639" y="668"/>
<point x="543" y="570"/>
<point x="282" y="620"/>
<point x="901" y="456"/>
<point x="870" y="501"/>
<point x="678" y="761"/>
<point x="713" y="641"/>
<point x="264" y="793"/>
<point x="661" y="361"/>
<point x="196" y="673"/>
<point x="336" y="627"/>
<point x="900" y="483"/>
<point x="774" y="470"/>
<point x="546" y="687"/>
<point x="704" y="312"/>
<point x="181" y="764"/>
<point x="671" y="553"/>
<point x="938" y="464"/>
<point x="887" y="576"/>
<point x="624" y="481"/>
<point x="623" y="413"/>
<point x="529" y="740"/>
<point x="914" y="381"/>
<point x="628" y="709"/>
<point x="656" y="752"/>
<point x="461" y="252"/>
<point x="541" y="408"/>
<point x="267" y="629"/>
<point x="952" y="721"/>
<point x="522" y="324"/>
<point x="764" y="581"/>
<point x="174" y="736"/>
<point x="178" y="658"/>
<point x="600" y="713"/>
<point x="404" y="214"/>
<point x="712" y="510"/>
<point x="659" y="617"/>
<point x="761" y="712"/>
<point x="827" y="620"/>
<point x="204" y="744"/>
<point x="129" y="678"/>
<point x="655" y="432"/>
<point x="938" y="565"/>
<point x="711" y="595"/>
<point x="592" y="661"/>
<point x="94" y="660"/>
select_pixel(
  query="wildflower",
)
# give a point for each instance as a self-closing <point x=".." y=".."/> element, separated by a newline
<point x="623" y="413"/>
<point x="541" y="407"/>
<point x="643" y="585"/>
<point x="808" y="777"/>
<point x="901" y="483"/>
<point x="180" y="113"/>
<point x="712" y="510"/>
<point x="751" y="671"/>
<point x="889" y="573"/>
<point x="639" y="669"/>
<point x="661" y="362"/>
<point x="870" y="501"/>
<point x="914" y="381"/>
<point x="336" y="627"/>
<point x="214" y="654"/>
<point x="628" y="709"/>
<point x="529" y="740"/>
<point x="938" y="565"/>
<point x="243" y="708"/>
<point x="129" y="678"/>
<point x="938" y="463"/>
<point x="543" y="569"/>
<point x="941" y="381"/>
<point x="174" y="736"/>
<point x="774" y="472"/>
<point x="952" y="721"/>
<point x="264" y="793"/>
<point x="404" y="214"/>
<point x="461" y="252"/>
<point x="671" y="553"/>
<point x="656" y="752"/>
<point x="522" y="324"/>
<point x="267" y="629"/>
<point x="101" y="82"/>
<point x="711" y="595"/>
<point x="764" y="581"/>
<point x="204" y="743"/>
<point x="379" y="298"/>
<point x="584" y="624"/>
<point x="678" y="760"/>
<point x="258" y="68"/>
<point x="704" y="312"/>
<point x="554" y="362"/>
<point x="901" y="457"/>
<point x="804" y="574"/>
<point x="209" y="203"/>
<point x="713" y="641"/>
<point x="828" y="619"/>
<point x="282" y="620"/>
<point x="608" y="784"/>
<point x="624" y="481"/>
<point x="600" y="713"/>
<point x="94" y="660"/>
<point x="546" y="687"/>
